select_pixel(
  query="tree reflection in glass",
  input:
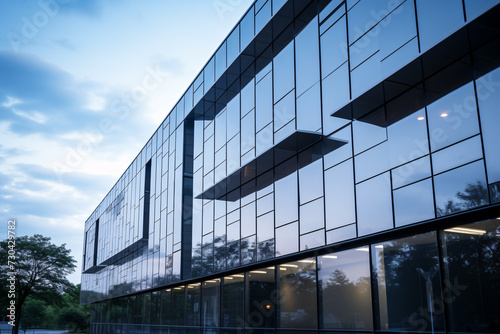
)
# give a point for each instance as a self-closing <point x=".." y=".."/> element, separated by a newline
<point x="407" y="288"/>
<point x="344" y="290"/>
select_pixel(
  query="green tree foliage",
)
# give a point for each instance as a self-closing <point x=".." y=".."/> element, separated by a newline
<point x="40" y="269"/>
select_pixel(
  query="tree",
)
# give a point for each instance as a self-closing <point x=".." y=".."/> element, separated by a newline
<point x="40" y="271"/>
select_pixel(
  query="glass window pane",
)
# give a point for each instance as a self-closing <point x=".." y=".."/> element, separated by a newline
<point x="283" y="72"/>
<point x="220" y="61"/>
<point x="342" y="153"/>
<point x="341" y="234"/>
<point x="407" y="291"/>
<point x="369" y="130"/>
<point x="414" y="203"/>
<point x="335" y="94"/>
<point x="265" y="204"/>
<point x="264" y="102"/>
<point x="307" y="57"/>
<point x="166" y="306"/>
<point x="260" y="298"/>
<point x="262" y="17"/>
<point x="233" y="290"/>
<point x="248" y="220"/>
<point x="208" y="155"/>
<point x="284" y="111"/>
<point x="248" y="97"/>
<point x="312" y="240"/>
<point x="248" y="132"/>
<point x="233" y="45"/>
<point x="233" y="154"/>
<point x="247" y="29"/>
<point x="286" y="199"/>
<point x="456" y="155"/>
<point x="374" y="204"/>
<point x="312" y="216"/>
<point x="265" y="227"/>
<point x="233" y="117"/>
<point x="178" y="299"/>
<point x="209" y="74"/>
<point x="411" y="172"/>
<point x="248" y="250"/>
<point x="461" y="189"/>
<point x="339" y="195"/>
<point x="408" y="139"/>
<point x="472" y="269"/>
<point x="309" y="110"/>
<point x="220" y="130"/>
<point x="287" y="239"/>
<point x="333" y="47"/>
<point x="193" y="300"/>
<point x="264" y="139"/>
<point x="211" y="302"/>
<point x="433" y="26"/>
<point x="233" y="231"/>
<point x="297" y="284"/>
<point x="453" y="117"/>
<point x="310" y="179"/>
<point x="489" y="100"/>
<point x="344" y="284"/>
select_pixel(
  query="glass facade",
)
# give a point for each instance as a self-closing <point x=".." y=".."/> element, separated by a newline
<point x="334" y="167"/>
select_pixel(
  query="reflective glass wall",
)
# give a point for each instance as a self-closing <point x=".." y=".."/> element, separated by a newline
<point x="434" y="282"/>
<point x="314" y="123"/>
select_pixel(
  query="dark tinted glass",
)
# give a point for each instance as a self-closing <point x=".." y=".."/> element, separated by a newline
<point x="232" y="304"/>
<point x="297" y="284"/>
<point x="260" y="298"/>
<point x="211" y="303"/>
<point x="472" y="271"/>
<point x="344" y="290"/>
<point x="407" y="290"/>
<point x="193" y="300"/>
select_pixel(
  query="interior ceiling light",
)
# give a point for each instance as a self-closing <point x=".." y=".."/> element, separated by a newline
<point x="329" y="256"/>
<point x="307" y="261"/>
<point x="420" y="118"/>
<point x="258" y="272"/>
<point x="363" y="249"/>
<point x="464" y="230"/>
<point x="444" y="114"/>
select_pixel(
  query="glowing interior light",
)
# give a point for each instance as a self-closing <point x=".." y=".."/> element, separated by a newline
<point x="329" y="256"/>
<point x="444" y="114"/>
<point x="363" y="249"/>
<point x="464" y="230"/>
<point x="420" y="118"/>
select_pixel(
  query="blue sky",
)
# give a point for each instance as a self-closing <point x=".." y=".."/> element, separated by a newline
<point x="69" y="69"/>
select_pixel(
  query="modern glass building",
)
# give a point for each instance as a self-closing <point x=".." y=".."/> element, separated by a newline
<point x="334" y="167"/>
